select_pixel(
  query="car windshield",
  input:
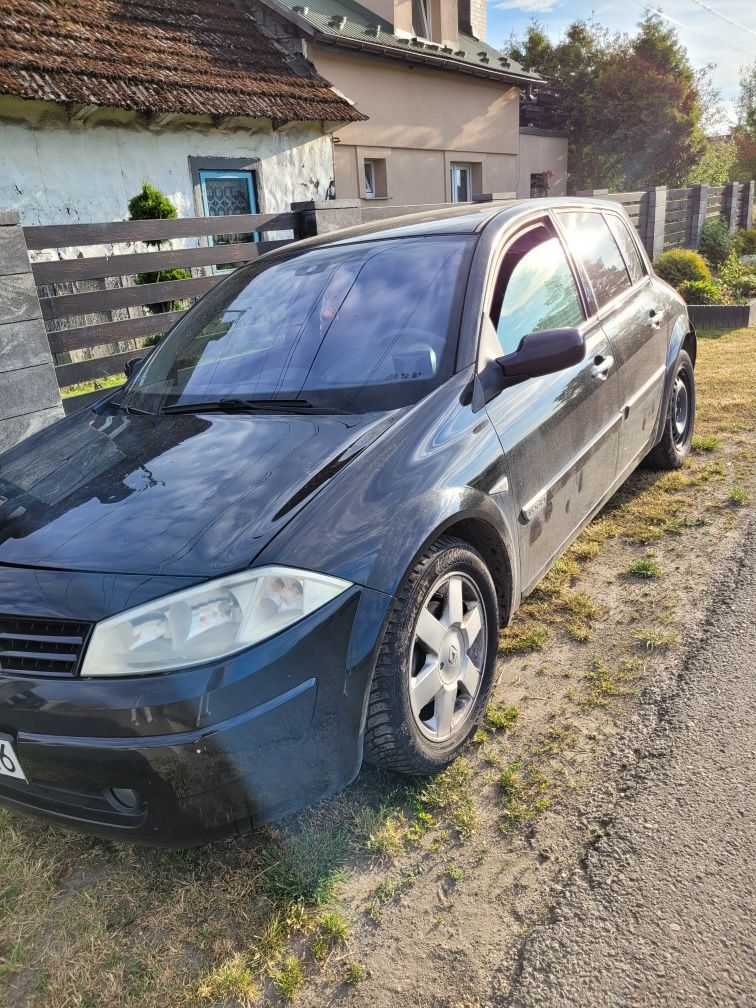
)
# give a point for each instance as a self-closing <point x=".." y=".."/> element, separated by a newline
<point x="352" y="327"/>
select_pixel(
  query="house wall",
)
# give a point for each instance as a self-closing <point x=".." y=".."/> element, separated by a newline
<point x="421" y="120"/>
<point x="53" y="172"/>
<point x="539" y="152"/>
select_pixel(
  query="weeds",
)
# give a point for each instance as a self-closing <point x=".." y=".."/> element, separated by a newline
<point x="513" y="641"/>
<point x="737" y="496"/>
<point x="643" y="569"/>
<point x="290" y="978"/>
<point x="656" y="638"/>
<point x="355" y="972"/>
<point x="705" y="444"/>
<point x="500" y="718"/>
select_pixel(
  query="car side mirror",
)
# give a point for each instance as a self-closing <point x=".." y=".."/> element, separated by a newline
<point x="132" y="365"/>
<point x="542" y="353"/>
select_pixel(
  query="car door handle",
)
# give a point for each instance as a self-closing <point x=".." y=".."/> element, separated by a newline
<point x="656" y="317"/>
<point x="601" y="366"/>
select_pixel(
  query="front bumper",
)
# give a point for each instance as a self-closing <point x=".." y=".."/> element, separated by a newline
<point x="206" y="751"/>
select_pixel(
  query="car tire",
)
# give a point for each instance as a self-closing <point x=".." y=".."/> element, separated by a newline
<point x="443" y="629"/>
<point x="672" y="448"/>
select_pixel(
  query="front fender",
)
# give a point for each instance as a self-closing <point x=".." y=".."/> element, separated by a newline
<point x="439" y="465"/>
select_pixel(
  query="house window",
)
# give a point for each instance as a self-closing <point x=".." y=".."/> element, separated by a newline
<point x="369" y="168"/>
<point x="375" y="183"/>
<point x="461" y="183"/>
<point x="228" y="192"/>
<point x="421" y="22"/>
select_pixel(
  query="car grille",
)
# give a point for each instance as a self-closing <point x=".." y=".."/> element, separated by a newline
<point x="42" y="646"/>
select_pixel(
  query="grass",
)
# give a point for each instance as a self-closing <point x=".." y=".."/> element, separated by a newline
<point x="92" y="386"/>
<point x="644" y="569"/>
<point x="291" y="978"/>
<point x="514" y="641"/>
<point x="499" y="718"/>
<point x="603" y="684"/>
<point x="737" y="495"/>
<point x="233" y="978"/>
<point x="705" y="444"/>
<point x="355" y="972"/>
<point x="656" y="638"/>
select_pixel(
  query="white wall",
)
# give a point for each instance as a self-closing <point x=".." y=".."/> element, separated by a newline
<point x="53" y="172"/>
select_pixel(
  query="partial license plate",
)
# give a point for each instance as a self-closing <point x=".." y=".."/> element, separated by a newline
<point x="9" y="762"/>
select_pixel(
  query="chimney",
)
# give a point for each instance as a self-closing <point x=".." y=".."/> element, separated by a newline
<point x="472" y="18"/>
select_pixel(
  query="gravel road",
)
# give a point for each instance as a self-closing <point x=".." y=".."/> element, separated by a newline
<point x="662" y="913"/>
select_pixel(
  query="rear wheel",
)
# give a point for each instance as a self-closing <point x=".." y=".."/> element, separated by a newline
<point x="672" y="448"/>
<point x="435" y="668"/>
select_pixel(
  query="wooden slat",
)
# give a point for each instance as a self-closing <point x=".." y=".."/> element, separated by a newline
<point x="97" y="267"/>
<point x="125" y="297"/>
<point x="65" y="340"/>
<point x="100" y="367"/>
<point x="44" y="236"/>
<point x="629" y="197"/>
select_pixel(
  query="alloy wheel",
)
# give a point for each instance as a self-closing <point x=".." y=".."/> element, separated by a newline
<point x="447" y="657"/>
<point x="680" y="408"/>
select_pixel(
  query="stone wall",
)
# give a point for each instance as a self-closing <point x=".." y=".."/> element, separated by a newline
<point x="29" y="397"/>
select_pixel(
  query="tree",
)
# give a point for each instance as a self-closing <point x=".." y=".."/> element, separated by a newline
<point x="717" y="164"/>
<point x="635" y="105"/>
<point x="574" y="65"/>
<point x="744" y="134"/>
<point x="651" y="108"/>
<point x="151" y="204"/>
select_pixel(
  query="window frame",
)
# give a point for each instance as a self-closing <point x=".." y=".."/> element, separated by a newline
<point x="467" y="166"/>
<point x="599" y="311"/>
<point x="635" y="239"/>
<point x="546" y="224"/>
<point x="371" y="194"/>
<point x="425" y="10"/>
<point x="541" y="220"/>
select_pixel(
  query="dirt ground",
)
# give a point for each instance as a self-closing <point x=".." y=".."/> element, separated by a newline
<point x="422" y="893"/>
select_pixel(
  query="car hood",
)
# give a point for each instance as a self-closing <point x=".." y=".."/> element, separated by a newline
<point x="186" y="494"/>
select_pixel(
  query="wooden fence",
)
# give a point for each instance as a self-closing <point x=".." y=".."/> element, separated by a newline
<point x="93" y="333"/>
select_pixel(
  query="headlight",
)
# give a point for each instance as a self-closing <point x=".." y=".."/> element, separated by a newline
<point x="207" y="622"/>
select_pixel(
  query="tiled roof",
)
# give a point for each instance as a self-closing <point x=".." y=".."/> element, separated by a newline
<point x="198" y="57"/>
<point x="347" y="23"/>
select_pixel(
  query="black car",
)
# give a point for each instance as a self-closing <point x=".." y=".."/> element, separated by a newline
<point x="289" y="541"/>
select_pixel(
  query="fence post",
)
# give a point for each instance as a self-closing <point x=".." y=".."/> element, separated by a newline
<point x="29" y="395"/>
<point x="320" y="217"/>
<point x="697" y="196"/>
<point x="653" y="222"/>
<point x="730" y="206"/>
<point x="746" y="208"/>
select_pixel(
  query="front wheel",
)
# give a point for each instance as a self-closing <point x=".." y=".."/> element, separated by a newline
<point x="672" y="448"/>
<point x="434" y="671"/>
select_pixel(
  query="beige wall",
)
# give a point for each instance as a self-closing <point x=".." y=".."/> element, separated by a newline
<point x="420" y="121"/>
<point x="539" y="154"/>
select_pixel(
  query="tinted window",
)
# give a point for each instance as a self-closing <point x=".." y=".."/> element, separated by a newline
<point x="535" y="290"/>
<point x="629" y="249"/>
<point x="591" y="241"/>
<point x="359" y="326"/>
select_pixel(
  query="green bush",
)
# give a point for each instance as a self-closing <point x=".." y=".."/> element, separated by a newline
<point x="745" y="241"/>
<point x="703" y="292"/>
<point x="739" y="277"/>
<point x="715" y="243"/>
<point x="680" y="265"/>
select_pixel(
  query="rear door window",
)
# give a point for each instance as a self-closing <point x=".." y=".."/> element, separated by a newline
<point x="595" y="247"/>
<point x="535" y="289"/>
<point x="628" y="246"/>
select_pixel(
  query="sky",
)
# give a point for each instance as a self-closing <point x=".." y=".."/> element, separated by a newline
<point x="709" y="38"/>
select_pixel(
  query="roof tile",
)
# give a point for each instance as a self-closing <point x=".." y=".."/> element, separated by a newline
<point x="197" y="57"/>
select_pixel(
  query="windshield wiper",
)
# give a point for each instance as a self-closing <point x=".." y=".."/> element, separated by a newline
<point x="236" y="404"/>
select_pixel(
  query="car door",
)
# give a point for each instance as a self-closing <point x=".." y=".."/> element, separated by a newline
<point x="631" y="316"/>
<point x="559" y="432"/>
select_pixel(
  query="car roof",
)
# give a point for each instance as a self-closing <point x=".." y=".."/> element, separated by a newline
<point x="465" y="219"/>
